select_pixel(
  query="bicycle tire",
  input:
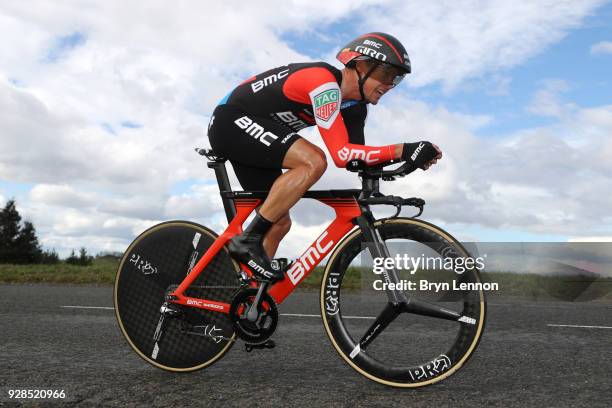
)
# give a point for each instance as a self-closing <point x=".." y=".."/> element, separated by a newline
<point x="394" y="371"/>
<point x="156" y="260"/>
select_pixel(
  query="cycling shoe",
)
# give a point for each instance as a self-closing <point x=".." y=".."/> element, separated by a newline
<point x="248" y="249"/>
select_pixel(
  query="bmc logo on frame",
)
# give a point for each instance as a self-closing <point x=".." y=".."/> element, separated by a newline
<point x="309" y="259"/>
<point x="257" y="131"/>
<point x="202" y="304"/>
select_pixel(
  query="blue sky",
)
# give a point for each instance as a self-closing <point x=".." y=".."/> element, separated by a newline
<point x="63" y="45"/>
<point x="100" y="122"/>
<point x="570" y="59"/>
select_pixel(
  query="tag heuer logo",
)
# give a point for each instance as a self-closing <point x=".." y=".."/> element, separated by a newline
<point x="326" y="103"/>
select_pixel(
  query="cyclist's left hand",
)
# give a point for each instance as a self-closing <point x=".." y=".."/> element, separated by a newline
<point x="435" y="159"/>
<point x="421" y="154"/>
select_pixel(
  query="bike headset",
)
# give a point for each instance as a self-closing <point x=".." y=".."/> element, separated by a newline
<point x="377" y="46"/>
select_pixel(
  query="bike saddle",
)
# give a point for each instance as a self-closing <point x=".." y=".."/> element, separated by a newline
<point x="210" y="155"/>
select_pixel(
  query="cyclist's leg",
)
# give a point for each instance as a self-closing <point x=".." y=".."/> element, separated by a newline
<point x="258" y="142"/>
<point x="276" y="234"/>
<point x="306" y="163"/>
<point x="257" y="179"/>
<point x="260" y="145"/>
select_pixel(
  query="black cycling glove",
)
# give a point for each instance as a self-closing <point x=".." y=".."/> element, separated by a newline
<point x="419" y="153"/>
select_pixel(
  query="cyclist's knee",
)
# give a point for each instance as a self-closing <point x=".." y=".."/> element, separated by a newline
<point x="317" y="162"/>
<point x="306" y="155"/>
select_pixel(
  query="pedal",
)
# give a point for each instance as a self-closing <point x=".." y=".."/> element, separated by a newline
<point x="244" y="278"/>
<point x="279" y="264"/>
<point x="268" y="344"/>
<point x="170" y="310"/>
<point x="166" y="310"/>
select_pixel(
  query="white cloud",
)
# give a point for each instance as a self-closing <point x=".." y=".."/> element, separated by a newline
<point x="62" y="195"/>
<point x="202" y="201"/>
<point x="558" y="173"/>
<point x="299" y="239"/>
<point x="547" y="101"/>
<point x="603" y="47"/>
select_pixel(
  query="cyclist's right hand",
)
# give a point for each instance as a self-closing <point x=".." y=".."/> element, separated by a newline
<point x="421" y="154"/>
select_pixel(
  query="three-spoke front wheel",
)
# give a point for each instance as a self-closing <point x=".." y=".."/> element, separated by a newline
<point x="403" y="344"/>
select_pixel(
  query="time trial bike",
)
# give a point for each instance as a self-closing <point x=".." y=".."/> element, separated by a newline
<point x="181" y="301"/>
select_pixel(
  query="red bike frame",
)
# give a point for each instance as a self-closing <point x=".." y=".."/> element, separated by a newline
<point x="346" y="209"/>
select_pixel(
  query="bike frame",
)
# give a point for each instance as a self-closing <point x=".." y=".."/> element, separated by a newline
<point x="239" y="205"/>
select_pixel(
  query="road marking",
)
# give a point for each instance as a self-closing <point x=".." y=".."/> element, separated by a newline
<point x="582" y="327"/>
<point x="89" y="307"/>
<point x="316" y="315"/>
<point x="282" y="314"/>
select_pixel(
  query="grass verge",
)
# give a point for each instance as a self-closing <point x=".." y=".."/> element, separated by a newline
<point x="532" y="286"/>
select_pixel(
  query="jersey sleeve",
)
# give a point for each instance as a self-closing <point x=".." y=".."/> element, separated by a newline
<point x="318" y="87"/>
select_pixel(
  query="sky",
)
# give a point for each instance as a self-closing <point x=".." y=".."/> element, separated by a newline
<point x="102" y="104"/>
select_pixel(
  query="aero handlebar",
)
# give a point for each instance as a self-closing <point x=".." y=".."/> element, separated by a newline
<point x="377" y="171"/>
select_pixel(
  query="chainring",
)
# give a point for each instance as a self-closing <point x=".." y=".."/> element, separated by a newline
<point x="264" y="326"/>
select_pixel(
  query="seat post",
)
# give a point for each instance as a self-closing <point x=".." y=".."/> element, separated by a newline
<point x="224" y="187"/>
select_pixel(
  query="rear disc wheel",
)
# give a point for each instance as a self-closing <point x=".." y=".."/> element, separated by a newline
<point x="157" y="261"/>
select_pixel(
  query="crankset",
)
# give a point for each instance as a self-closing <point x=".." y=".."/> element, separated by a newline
<point x="254" y="314"/>
<point x="166" y="310"/>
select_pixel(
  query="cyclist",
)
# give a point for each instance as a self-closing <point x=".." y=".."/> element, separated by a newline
<point x="255" y="126"/>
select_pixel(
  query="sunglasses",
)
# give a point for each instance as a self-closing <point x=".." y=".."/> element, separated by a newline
<point x="388" y="74"/>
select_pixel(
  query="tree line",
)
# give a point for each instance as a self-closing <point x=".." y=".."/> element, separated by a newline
<point x="19" y="243"/>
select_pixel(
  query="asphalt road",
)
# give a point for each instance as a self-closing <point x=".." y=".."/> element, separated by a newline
<point x="527" y="358"/>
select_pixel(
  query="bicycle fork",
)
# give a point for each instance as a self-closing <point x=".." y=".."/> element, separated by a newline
<point x="378" y="249"/>
<point x="398" y="301"/>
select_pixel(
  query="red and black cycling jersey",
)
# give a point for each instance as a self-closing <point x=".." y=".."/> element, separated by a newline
<point x="308" y="94"/>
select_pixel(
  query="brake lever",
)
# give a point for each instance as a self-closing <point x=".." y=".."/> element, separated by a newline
<point x="419" y="213"/>
<point x="415" y="202"/>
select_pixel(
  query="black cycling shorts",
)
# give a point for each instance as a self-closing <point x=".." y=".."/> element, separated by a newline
<point x="256" y="146"/>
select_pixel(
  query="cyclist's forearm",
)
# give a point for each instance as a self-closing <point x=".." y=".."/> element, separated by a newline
<point x="370" y="154"/>
<point x="399" y="149"/>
